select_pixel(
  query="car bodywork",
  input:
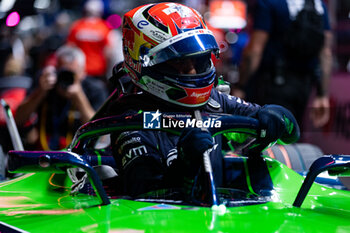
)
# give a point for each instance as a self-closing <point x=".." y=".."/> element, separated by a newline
<point x="263" y="195"/>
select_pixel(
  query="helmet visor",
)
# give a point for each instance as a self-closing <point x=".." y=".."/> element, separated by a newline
<point x="185" y="44"/>
<point x="174" y="71"/>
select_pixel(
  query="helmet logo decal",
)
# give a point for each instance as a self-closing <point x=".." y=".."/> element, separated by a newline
<point x="134" y="65"/>
<point x="176" y="17"/>
<point x="197" y="95"/>
<point x="129" y="36"/>
<point x="159" y="35"/>
<point x="142" y="23"/>
<point x="183" y="11"/>
<point x="182" y="16"/>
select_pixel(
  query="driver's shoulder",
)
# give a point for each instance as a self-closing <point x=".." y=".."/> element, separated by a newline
<point x="232" y="104"/>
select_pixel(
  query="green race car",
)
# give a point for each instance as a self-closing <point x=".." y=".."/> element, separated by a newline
<point x="74" y="190"/>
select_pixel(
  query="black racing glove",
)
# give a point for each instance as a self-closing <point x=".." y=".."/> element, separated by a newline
<point x="277" y="123"/>
<point x="193" y="142"/>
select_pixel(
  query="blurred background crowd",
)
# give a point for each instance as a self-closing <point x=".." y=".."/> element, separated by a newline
<point x="32" y="31"/>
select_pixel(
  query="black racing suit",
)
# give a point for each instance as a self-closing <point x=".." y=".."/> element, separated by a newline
<point x="145" y="158"/>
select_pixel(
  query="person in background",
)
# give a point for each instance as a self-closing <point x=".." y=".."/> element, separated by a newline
<point x="62" y="100"/>
<point x="93" y="36"/>
<point x="13" y="88"/>
<point x="46" y="41"/>
<point x="268" y="75"/>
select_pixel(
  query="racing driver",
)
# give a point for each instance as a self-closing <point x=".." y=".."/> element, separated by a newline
<point x="168" y="53"/>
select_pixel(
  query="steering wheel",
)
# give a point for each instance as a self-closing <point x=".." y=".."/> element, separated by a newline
<point x="130" y="122"/>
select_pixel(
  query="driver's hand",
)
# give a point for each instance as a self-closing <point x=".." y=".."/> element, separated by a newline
<point x="276" y="122"/>
<point x="193" y="142"/>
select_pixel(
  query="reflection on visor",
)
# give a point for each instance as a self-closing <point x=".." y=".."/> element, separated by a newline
<point x="191" y="45"/>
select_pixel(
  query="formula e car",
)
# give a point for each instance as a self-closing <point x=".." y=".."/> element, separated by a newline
<point x="70" y="190"/>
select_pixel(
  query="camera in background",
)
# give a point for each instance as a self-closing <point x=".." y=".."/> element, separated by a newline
<point x="65" y="78"/>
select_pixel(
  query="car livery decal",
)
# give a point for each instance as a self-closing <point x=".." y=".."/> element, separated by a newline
<point x="159" y="207"/>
